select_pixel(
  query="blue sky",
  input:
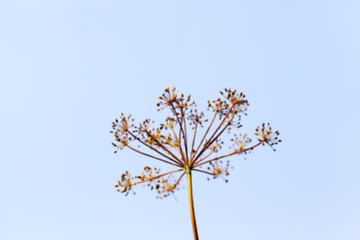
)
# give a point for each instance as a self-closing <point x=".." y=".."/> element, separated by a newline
<point x="69" y="68"/>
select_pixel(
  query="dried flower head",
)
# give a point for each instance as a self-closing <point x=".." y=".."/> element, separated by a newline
<point x="176" y="141"/>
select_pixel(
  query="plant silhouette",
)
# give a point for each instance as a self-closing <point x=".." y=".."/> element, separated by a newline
<point x="176" y="142"/>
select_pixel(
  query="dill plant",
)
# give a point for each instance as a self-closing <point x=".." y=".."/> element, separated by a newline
<point x="175" y="142"/>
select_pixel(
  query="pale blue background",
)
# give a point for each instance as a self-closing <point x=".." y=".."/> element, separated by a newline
<point x="68" y="68"/>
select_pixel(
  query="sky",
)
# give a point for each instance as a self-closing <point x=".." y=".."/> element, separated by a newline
<point x="69" y="68"/>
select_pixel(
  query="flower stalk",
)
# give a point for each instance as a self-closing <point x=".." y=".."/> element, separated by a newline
<point x="191" y="202"/>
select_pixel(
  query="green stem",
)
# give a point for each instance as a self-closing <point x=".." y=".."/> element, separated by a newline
<point x="191" y="202"/>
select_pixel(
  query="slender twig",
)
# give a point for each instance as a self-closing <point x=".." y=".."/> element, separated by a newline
<point x="156" y="177"/>
<point x="228" y="155"/>
<point x="211" y="152"/>
<point x="176" y="140"/>
<point x="198" y="170"/>
<point x="219" y="126"/>
<point x="185" y="134"/>
<point x="177" y="182"/>
<point x="211" y="139"/>
<point x="147" y="145"/>
<point x="151" y="156"/>
<point x="162" y="145"/>
<point x="193" y="141"/>
<point x="180" y="131"/>
<point x="207" y="130"/>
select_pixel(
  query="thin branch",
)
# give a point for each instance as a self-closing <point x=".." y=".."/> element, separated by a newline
<point x="159" y="176"/>
<point x="198" y="170"/>
<point x="222" y="122"/>
<point x="147" y="145"/>
<point x="177" y="182"/>
<point x="185" y="133"/>
<point x="176" y="139"/>
<point x="193" y="141"/>
<point x="228" y="155"/>
<point x="149" y="155"/>
<point x="207" y="130"/>
<point x="211" y="152"/>
<point x="180" y="130"/>
<point x="163" y="146"/>
<point x="211" y="140"/>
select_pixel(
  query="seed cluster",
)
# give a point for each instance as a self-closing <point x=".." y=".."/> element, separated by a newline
<point x="177" y="142"/>
<point x="170" y="99"/>
<point x="240" y="142"/>
<point x="266" y="135"/>
<point x="219" y="169"/>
